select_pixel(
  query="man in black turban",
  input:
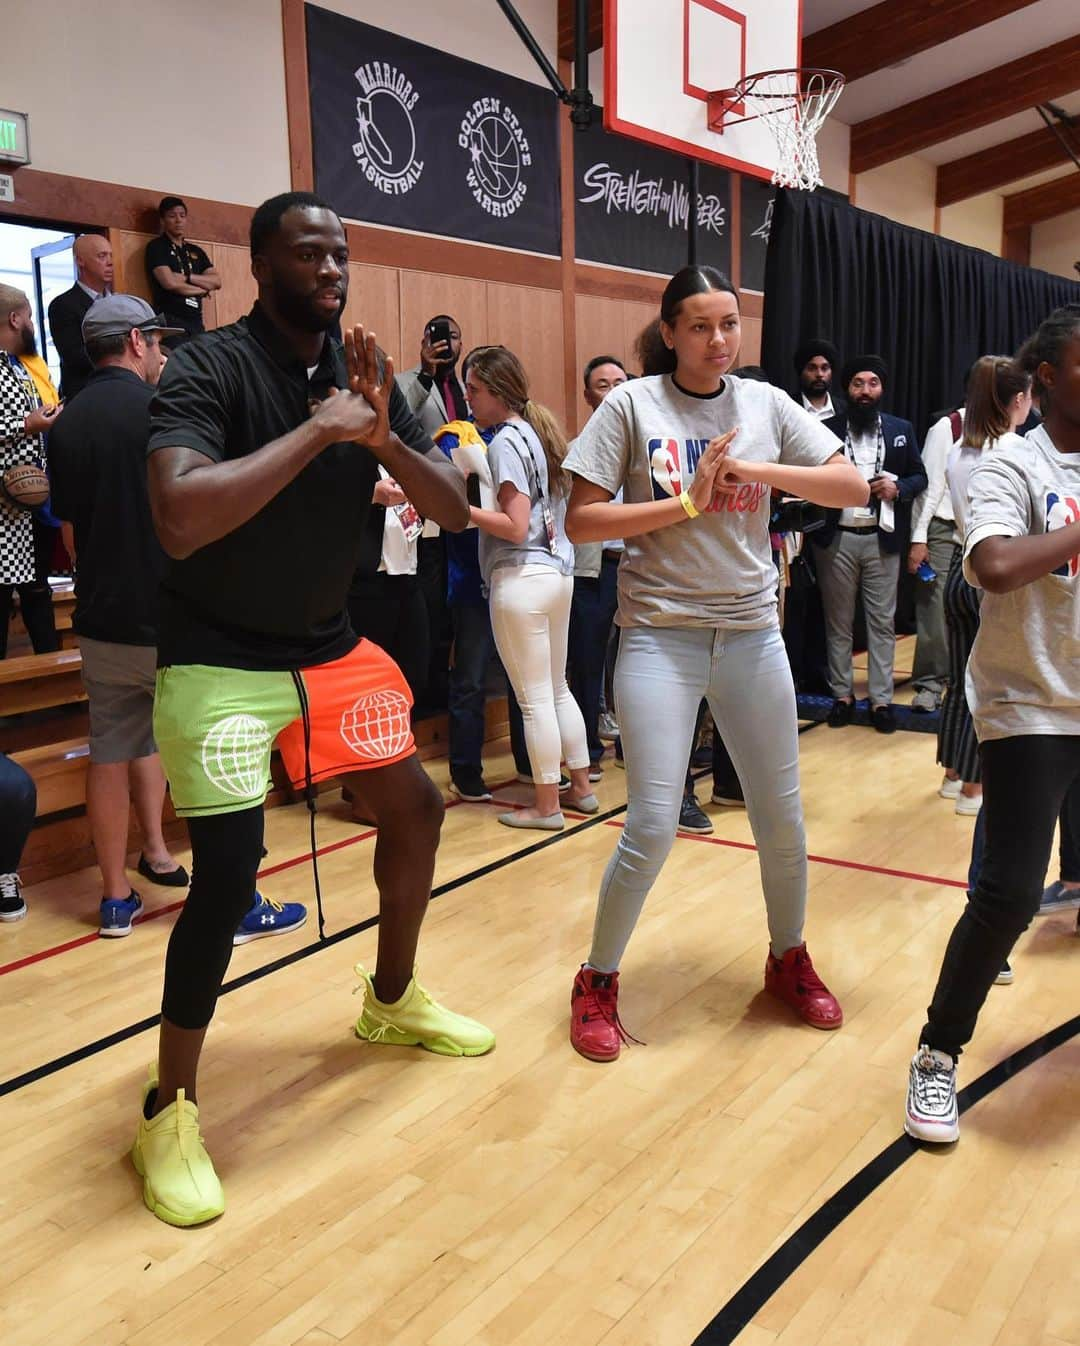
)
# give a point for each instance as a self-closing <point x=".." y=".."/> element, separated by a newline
<point x="816" y="362"/>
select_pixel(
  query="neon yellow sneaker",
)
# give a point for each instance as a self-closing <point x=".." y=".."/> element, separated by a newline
<point x="418" y="1020"/>
<point x="179" y="1182"/>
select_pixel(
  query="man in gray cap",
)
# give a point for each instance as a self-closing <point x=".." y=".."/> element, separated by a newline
<point x="99" y="489"/>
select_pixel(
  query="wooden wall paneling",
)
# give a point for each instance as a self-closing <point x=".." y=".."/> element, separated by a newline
<point x="530" y="322"/>
<point x="601" y="330"/>
<point x="238" y="289"/>
<point x="567" y="199"/>
<point x="750" y="350"/>
<point x="635" y="317"/>
<point x="130" y="250"/>
<point x="424" y="294"/>
<point x="375" y="301"/>
<point x="297" y="96"/>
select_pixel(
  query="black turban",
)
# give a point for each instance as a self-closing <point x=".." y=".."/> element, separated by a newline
<point x="819" y="346"/>
<point x="872" y="364"/>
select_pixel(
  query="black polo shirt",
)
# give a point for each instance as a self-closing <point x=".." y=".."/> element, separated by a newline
<point x="97" y="462"/>
<point x="187" y="260"/>
<point x="272" y="593"/>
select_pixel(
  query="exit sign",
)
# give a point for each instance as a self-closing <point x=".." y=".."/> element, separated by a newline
<point x="14" y="137"/>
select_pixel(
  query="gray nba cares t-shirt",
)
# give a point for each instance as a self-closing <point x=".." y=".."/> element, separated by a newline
<point x="1023" y="676"/>
<point x="647" y="436"/>
<point x="516" y="455"/>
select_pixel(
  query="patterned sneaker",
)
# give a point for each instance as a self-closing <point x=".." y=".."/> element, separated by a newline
<point x="12" y="906"/>
<point x="596" y="1031"/>
<point x="931" y="1097"/>
<point x="266" y="917"/>
<point x="1056" y="897"/>
<point x="179" y="1182"/>
<point x="793" y="980"/>
<point x="470" y="786"/>
<point x="418" y="1020"/>
<point x="117" y="913"/>
<point x="608" y="726"/>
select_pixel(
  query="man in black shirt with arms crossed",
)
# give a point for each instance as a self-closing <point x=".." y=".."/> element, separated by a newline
<point x="265" y="444"/>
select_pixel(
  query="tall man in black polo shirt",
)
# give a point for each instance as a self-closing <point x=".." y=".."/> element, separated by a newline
<point x="264" y="452"/>
<point x="180" y="273"/>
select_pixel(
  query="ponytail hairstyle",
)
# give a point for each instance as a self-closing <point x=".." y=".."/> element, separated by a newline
<point x="993" y="383"/>
<point x="650" y="347"/>
<point x="503" y="375"/>
<point x="1048" y="343"/>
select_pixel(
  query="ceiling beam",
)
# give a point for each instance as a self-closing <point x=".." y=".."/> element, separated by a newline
<point x="1002" y="164"/>
<point x="1042" y="203"/>
<point x="896" y="30"/>
<point x="566" y="27"/>
<point x="989" y="97"/>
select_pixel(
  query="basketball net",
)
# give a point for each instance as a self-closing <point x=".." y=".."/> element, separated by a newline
<point x="793" y="104"/>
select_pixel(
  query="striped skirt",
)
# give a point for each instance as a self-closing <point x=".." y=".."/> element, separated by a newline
<point x="958" y="747"/>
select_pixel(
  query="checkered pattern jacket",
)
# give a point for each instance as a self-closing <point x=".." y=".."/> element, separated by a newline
<point x="18" y="398"/>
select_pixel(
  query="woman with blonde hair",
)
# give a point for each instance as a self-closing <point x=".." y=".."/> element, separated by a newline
<point x="998" y="400"/>
<point x="527" y="564"/>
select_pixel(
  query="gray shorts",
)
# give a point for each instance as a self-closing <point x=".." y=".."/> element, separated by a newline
<point x="119" y="682"/>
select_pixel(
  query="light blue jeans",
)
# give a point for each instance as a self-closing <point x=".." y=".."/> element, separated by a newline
<point x="661" y="676"/>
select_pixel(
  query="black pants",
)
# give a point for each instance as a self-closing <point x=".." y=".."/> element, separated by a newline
<point x="1025" y="782"/>
<point x="473" y="650"/>
<point x="18" y="801"/>
<point x="35" y="598"/>
<point x="592" y="610"/>
<point x="390" y="610"/>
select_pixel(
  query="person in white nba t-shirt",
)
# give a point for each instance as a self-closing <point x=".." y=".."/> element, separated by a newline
<point x="697" y="454"/>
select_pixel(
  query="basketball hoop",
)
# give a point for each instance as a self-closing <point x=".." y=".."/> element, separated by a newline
<point x="793" y="105"/>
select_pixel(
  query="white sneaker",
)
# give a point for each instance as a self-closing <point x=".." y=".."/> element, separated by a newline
<point x="931" y="1098"/>
<point x="950" y="789"/>
<point x="968" y="806"/>
<point x="608" y="727"/>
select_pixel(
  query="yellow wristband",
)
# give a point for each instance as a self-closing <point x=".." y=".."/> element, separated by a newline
<point x="688" y="505"/>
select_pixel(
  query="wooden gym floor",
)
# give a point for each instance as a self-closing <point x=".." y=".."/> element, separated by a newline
<point x="379" y="1195"/>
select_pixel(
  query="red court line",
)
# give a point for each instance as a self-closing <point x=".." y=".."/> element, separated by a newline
<point x="92" y="938"/>
<point x="818" y="859"/>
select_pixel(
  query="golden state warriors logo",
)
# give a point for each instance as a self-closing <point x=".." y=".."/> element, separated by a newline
<point x="386" y="150"/>
<point x="498" y="153"/>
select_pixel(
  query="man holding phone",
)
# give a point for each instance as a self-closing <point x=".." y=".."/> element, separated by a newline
<point x="433" y="389"/>
<point x="859" y="549"/>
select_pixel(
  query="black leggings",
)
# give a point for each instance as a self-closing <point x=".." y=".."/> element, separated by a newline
<point x="225" y="853"/>
<point x="1025" y="782"/>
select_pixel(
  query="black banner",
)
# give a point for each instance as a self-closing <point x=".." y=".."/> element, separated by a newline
<point x="407" y="136"/>
<point x="632" y="203"/>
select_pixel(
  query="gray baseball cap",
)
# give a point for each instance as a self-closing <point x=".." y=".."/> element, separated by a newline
<point x="117" y="314"/>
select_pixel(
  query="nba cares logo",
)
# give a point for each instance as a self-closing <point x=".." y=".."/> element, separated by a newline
<point x="1062" y="510"/>
<point x="665" y="468"/>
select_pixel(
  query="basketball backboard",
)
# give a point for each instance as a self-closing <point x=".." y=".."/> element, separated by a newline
<point x="662" y="58"/>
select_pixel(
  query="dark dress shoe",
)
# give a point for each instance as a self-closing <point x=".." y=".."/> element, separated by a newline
<point x="883" y="719"/>
<point x="841" y="714"/>
<point x="171" y="878"/>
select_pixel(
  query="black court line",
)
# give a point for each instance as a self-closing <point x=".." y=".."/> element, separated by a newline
<point x="94" y="1048"/>
<point x="751" y="1298"/>
<point x="59" y="1063"/>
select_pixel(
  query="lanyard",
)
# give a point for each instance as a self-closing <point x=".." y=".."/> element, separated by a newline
<point x="181" y="255"/>
<point x="849" y="448"/>
<point x="26" y="384"/>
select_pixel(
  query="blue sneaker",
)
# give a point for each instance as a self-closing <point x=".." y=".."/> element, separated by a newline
<point x="266" y="917"/>
<point x="117" y="913"/>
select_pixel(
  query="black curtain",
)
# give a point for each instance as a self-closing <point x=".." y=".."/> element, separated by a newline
<point x="929" y="306"/>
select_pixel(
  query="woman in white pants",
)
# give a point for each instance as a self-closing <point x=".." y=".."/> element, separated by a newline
<point x="527" y="564"/>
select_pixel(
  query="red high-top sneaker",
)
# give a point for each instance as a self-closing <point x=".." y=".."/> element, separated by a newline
<point x="595" y="1028"/>
<point x="793" y="980"/>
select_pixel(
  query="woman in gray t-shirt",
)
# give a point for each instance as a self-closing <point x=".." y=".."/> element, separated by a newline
<point x="697" y="454"/>
<point x="1022" y="548"/>
<point x="527" y="565"/>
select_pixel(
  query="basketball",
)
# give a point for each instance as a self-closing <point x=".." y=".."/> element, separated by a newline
<point x="26" y="485"/>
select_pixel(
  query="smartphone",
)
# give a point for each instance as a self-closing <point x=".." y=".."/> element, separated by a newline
<point x="440" y="331"/>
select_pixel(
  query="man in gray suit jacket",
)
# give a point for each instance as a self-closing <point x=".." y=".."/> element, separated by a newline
<point x="432" y="389"/>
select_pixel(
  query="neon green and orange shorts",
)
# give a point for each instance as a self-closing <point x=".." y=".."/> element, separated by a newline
<point x="215" y="727"/>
